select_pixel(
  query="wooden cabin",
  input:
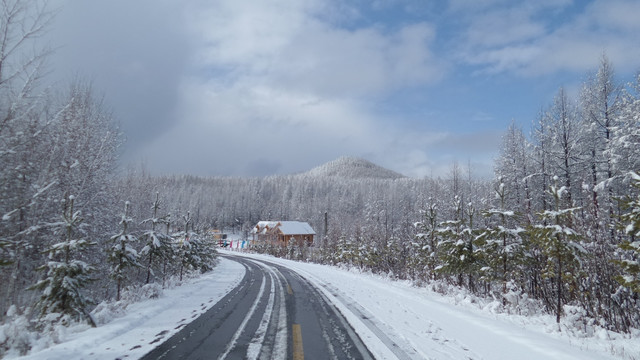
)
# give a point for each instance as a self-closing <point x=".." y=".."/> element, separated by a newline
<point x="283" y="232"/>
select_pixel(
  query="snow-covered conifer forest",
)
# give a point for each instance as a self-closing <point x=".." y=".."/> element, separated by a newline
<point x="557" y="226"/>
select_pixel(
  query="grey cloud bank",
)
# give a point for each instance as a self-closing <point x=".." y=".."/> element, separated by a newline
<point x="135" y="53"/>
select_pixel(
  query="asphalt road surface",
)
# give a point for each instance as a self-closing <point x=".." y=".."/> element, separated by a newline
<point x="272" y="314"/>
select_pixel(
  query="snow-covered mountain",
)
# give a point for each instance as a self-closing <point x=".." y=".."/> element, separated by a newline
<point x="352" y="168"/>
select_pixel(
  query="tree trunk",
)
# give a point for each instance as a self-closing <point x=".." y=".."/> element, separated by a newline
<point x="559" y="298"/>
<point x="149" y="268"/>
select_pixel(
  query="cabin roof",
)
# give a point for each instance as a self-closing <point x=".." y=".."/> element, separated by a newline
<point x="283" y="227"/>
<point x="295" y="228"/>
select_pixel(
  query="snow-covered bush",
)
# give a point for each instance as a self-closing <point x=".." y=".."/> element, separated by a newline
<point x="106" y="311"/>
<point x="16" y="334"/>
<point x="522" y="304"/>
<point x="147" y="291"/>
<point x="577" y="322"/>
<point x="109" y="310"/>
<point x="19" y="335"/>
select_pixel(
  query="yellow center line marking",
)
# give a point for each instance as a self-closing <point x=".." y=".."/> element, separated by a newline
<point x="289" y="291"/>
<point x="298" y="352"/>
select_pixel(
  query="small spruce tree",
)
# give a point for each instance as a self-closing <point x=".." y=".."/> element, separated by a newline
<point x="500" y="244"/>
<point x="122" y="255"/>
<point x="425" y="257"/>
<point x="557" y="241"/>
<point x="158" y="245"/>
<point x="456" y="249"/>
<point x="65" y="274"/>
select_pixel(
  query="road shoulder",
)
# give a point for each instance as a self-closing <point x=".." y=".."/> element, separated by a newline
<point x="148" y="323"/>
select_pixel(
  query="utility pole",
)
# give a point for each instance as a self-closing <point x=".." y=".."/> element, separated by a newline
<point x="326" y="227"/>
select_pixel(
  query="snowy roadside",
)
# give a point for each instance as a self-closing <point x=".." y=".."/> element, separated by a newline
<point x="147" y="323"/>
<point x="425" y="324"/>
<point x="385" y="313"/>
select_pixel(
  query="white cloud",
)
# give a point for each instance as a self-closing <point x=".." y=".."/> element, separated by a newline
<point x="473" y="5"/>
<point x="529" y="40"/>
<point x="287" y="88"/>
<point x="227" y="129"/>
<point x="244" y="34"/>
<point x="616" y="14"/>
<point x="502" y="27"/>
<point x="288" y="44"/>
<point x="277" y="86"/>
<point x="262" y="131"/>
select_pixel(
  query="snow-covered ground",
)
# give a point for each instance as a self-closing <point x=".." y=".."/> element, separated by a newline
<point x="385" y="313"/>
<point x="147" y="323"/>
<point x="428" y="325"/>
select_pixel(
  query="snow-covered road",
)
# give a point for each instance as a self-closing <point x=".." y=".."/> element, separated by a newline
<point x="389" y="314"/>
<point x="394" y="319"/>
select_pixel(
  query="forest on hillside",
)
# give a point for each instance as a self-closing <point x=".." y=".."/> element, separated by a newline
<point x="558" y="225"/>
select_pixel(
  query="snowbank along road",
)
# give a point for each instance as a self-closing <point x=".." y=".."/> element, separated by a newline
<point x="273" y="313"/>
<point x="398" y="321"/>
<point x="259" y="307"/>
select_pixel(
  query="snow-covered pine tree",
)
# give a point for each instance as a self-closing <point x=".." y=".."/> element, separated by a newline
<point x="65" y="274"/>
<point x="184" y="250"/>
<point x="557" y="241"/>
<point x="626" y="297"/>
<point x="345" y="251"/>
<point x="366" y="253"/>
<point x="122" y="255"/>
<point x="194" y="252"/>
<point x="456" y="249"/>
<point x="630" y="222"/>
<point x="425" y="245"/>
<point x="500" y="244"/>
<point x="396" y="257"/>
<point x="302" y="251"/>
<point x="291" y="249"/>
<point x="205" y="252"/>
<point x="158" y="245"/>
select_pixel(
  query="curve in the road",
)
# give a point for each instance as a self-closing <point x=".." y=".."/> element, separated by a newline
<point x="273" y="313"/>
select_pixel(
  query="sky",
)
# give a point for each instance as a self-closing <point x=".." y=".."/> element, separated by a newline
<point x="267" y="87"/>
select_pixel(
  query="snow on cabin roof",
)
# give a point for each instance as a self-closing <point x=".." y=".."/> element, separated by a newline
<point x="284" y="227"/>
<point x="263" y="226"/>
<point x="295" y="228"/>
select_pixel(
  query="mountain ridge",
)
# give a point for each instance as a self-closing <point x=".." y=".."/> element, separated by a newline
<point x="352" y="168"/>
